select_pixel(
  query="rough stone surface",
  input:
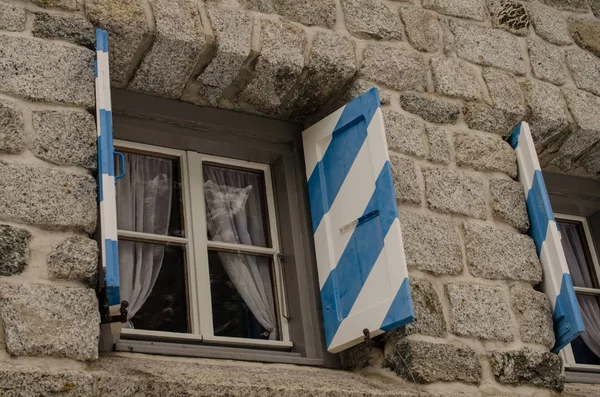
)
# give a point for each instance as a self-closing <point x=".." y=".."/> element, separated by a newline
<point x="429" y="316"/>
<point x="44" y="320"/>
<point x="585" y="32"/>
<point x="547" y="116"/>
<point x="439" y="148"/>
<point x="403" y="133"/>
<point x="331" y="63"/>
<point x="394" y="67"/>
<point x="534" y="315"/>
<point x="455" y="78"/>
<point x="585" y="109"/>
<point x="485" y="153"/>
<point x="54" y="72"/>
<point x="479" y="311"/>
<point x="549" y="24"/>
<point x="12" y="17"/>
<point x="64" y="4"/>
<point x="357" y="87"/>
<point x="14" y="250"/>
<point x="47" y="197"/>
<point x="480" y="116"/>
<point x="73" y="28"/>
<point x="508" y="203"/>
<point x="65" y="137"/>
<point x="488" y="47"/>
<point x="501" y="254"/>
<point x="509" y="15"/>
<point x="433" y="362"/>
<point x="422" y="28"/>
<point x="595" y="7"/>
<point x="568" y="5"/>
<point x="406" y="186"/>
<point x="431" y="244"/>
<point x="546" y="61"/>
<point x="233" y="33"/>
<point x="471" y="9"/>
<point x="579" y="389"/>
<point x="372" y="18"/>
<point x="528" y="367"/>
<point x="128" y="29"/>
<point x="430" y="108"/>
<point x="585" y="69"/>
<point x="455" y="192"/>
<point x="12" y="128"/>
<point x="278" y="67"/>
<point x="75" y="258"/>
<point x="26" y="381"/>
<point x="308" y="12"/>
<point x="177" y="48"/>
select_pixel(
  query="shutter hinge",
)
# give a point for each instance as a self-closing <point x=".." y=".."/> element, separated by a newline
<point x="120" y="318"/>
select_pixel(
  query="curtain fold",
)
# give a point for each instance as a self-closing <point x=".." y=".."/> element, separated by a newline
<point x="144" y="199"/>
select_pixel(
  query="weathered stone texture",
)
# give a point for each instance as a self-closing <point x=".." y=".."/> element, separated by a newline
<point x="397" y="68"/>
<point x="372" y="18"/>
<point x="53" y="72"/>
<point x="549" y="24"/>
<point x="508" y="203"/>
<point x="546" y="61"/>
<point x="179" y="43"/>
<point x="308" y="12"/>
<point x="547" y="116"/>
<point x="128" y="30"/>
<point x="580" y="389"/>
<point x="479" y="311"/>
<point x="278" y="67"/>
<point x="360" y="356"/>
<point x="527" y="367"/>
<point x="439" y="148"/>
<point x="585" y="69"/>
<point x="433" y="362"/>
<point x="585" y="109"/>
<point x="75" y="258"/>
<point x="480" y="116"/>
<point x="72" y="27"/>
<point x="403" y="133"/>
<point x="12" y="128"/>
<point x="500" y="254"/>
<point x="534" y="315"/>
<point x="485" y="153"/>
<point x="430" y="108"/>
<point x="431" y="244"/>
<point x="488" y="47"/>
<point x="568" y="5"/>
<point x="65" y="137"/>
<point x="429" y="316"/>
<point x="471" y="9"/>
<point x="454" y="192"/>
<point x="47" y="197"/>
<point x="26" y="381"/>
<point x="331" y="63"/>
<point x="233" y="33"/>
<point x="422" y="28"/>
<point x="357" y="87"/>
<point x="595" y="7"/>
<point x="454" y="78"/>
<point x="585" y="32"/>
<point x="44" y="320"/>
<point x="406" y="186"/>
<point x="64" y="4"/>
<point x="12" y="17"/>
<point x="509" y="15"/>
<point x="14" y="250"/>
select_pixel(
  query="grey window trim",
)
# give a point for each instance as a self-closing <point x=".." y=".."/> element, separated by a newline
<point x="172" y="124"/>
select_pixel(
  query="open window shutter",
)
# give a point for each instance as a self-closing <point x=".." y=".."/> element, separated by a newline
<point x="360" y="253"/>
<point x="106" y="175"/>
<point x="557" y="283"/>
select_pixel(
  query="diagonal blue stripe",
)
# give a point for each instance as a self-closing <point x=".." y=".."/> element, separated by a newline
<point x="401" y="311"/>
<point x="344" y="283"/>
<point x="513" y="139"/>
<point x="112" y="271"/>
<point x="539" y="210"/>
<point x="348" y="137"/>
<point x="106" y="143"/>
<point x="568" y="323"/>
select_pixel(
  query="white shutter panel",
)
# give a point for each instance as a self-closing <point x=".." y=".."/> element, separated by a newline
<point x="360" y="253"/>
<point x="557" y="283"/>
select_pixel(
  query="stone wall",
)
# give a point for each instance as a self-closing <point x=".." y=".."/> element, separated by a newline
<point x="455" y="77"/>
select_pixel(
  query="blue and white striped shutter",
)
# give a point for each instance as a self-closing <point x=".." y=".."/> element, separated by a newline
<point x="106" y="174"/>
<point x="557" y="283"/>
<point x="360" y="253"/>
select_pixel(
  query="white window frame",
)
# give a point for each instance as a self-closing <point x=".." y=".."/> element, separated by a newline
<point x="197" y="245"/>
<point x="567" y="352"/>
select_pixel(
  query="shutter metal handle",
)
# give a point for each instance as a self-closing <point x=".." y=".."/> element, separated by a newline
<point x="122" y="157"/>
<point x="284" y="303"/>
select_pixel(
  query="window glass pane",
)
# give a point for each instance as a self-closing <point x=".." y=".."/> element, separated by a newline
<point x="153" y="281"/>
<point x="236" y="209"/>
<point x="243" y="303"/>
<point x="577" y="255"/>
<point x="586" y="348"/>
<point x="149" y="196"/>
